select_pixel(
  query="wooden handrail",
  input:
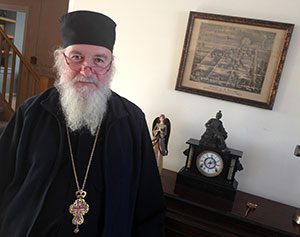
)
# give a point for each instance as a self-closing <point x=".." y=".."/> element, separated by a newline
<point x="23" y="60"/>
<point x="7" y="19"/>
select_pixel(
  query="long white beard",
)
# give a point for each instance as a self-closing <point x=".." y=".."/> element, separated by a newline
<point x="82" y="107"/>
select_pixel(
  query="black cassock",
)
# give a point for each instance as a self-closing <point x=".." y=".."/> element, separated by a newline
<point x="54" y="218"/>
<point x="37" y="183"/>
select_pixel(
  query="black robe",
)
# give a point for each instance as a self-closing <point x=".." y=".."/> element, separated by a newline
<point x="31" y="152"/>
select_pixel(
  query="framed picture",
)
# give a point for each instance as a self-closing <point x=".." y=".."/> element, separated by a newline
<point x="233" y="58"/>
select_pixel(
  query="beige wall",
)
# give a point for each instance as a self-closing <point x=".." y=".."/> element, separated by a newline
<point x="150" y="36"/>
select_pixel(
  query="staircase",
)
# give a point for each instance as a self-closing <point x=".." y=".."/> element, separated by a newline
<point x="18" y="80"/>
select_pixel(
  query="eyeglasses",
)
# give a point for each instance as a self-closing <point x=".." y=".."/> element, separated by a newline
<point x="100" y="65"/>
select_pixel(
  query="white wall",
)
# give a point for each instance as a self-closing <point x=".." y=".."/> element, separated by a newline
<point x="150" y="36"/>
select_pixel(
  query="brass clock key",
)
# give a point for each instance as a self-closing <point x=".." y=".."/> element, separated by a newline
<point x="250" y="207"/>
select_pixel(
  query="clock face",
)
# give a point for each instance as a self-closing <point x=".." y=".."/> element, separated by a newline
<point x="209" y="163"/>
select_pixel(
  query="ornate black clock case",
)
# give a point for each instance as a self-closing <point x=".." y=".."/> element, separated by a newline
<point x="218" y="178"/>
<point x="210" y="164"/>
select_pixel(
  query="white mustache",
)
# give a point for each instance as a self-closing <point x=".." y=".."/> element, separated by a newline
<point x="85" y="79"/>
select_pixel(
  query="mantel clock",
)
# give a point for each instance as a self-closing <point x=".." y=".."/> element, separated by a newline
<point x="210" y="164"/>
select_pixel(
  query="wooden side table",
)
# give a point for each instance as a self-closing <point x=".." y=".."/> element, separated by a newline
<point x="191" y="213"/>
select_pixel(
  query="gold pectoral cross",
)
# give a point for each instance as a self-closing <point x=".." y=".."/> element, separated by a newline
<point x="78" y="209"/>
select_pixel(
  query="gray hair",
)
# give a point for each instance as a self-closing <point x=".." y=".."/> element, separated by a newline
<point x="58" y="61"/>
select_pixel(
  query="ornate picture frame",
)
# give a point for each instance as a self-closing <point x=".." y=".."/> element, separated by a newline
<point x="233" y="58"/>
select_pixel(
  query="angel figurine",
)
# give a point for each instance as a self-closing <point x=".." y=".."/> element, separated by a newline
<point x="161" y="129"/>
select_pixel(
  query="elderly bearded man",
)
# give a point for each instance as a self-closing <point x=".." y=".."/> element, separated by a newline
<point x="77" y="160"/>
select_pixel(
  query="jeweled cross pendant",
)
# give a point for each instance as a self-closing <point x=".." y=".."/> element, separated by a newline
<point x="78" y="209"/>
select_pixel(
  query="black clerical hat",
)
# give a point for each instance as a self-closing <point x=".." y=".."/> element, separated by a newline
<point x="86" y="27"/>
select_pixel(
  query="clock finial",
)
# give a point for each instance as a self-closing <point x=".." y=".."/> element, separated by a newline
<point x="215" y="133"/>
